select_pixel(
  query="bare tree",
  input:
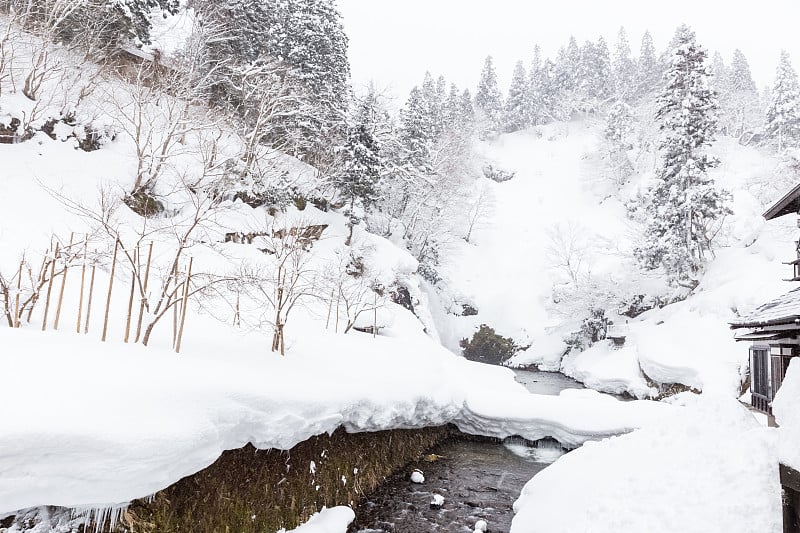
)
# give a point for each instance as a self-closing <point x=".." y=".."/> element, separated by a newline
<point x="481" y="208"/>
<point x="352" y="288"/>
<point x="568" y="249"/>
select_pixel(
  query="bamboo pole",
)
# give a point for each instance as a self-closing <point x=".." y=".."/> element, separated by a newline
<point x="110" y="288"/>
<point x="49" y="288"/>
<point x="330" y="307"/>
<point x="338" y="297"/>
<point x="175" y="307"/>
<point x="83" y="284"/>
<point x="184" y="307"/>
<point x="89" y="303"/>
<point x="133" y="289"/>
<point x="236" y="318"/>
<point x="19" y="288"/>
<point x="144" y="292"/>
<point x="63" y="283"/>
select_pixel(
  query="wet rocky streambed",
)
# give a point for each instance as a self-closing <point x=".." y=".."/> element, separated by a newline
<point x="478" y="478"/>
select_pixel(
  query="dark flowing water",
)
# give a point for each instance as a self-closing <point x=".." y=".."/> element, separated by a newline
<point x="479" y="479"/>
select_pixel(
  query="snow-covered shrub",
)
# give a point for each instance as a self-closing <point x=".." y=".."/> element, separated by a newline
<point x="496" y="174"/>
<point x="486" y="346"/>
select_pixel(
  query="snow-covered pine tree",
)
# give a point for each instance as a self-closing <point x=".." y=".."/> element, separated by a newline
<point x="467" y="114"/>
<point x="358" y="174"/>
<point x="618" y="131"/>
<point x="648" y="72"/>
<point x="516" y="111"/>
<point x="783" y="113"/>
<point x="488" y="100"/>
<point x="416" y="131"/>
<point x="742" y="108"/>
<point x="306" y="37"/>
<point x="720" y="76"/>
<point x="684" y="208"/>
<point x="432" y="103"/>
<point x="536" y="111"/>
<point x="624" y="68"/>
<point x="452" y="107"/>
<point x="566" y="81"/>
<point x="619" y="124"/>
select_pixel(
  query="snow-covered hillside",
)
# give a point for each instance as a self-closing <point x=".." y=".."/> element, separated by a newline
<point x="560" y="240"/>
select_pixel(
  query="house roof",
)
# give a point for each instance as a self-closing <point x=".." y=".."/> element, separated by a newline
<point x="787" y="205"/>
<point x="784" y="309"/>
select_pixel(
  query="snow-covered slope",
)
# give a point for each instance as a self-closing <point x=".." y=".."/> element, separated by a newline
<point x="560" y="241"/>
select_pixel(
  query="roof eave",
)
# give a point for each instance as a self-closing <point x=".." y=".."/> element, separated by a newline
<point x="785" y="205"/>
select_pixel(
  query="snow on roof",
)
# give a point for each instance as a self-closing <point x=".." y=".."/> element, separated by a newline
<point x="782" y="310"/>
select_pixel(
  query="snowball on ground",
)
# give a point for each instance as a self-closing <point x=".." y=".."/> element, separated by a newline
<point x="333" y="520"/>
<point x="708" y="467"/>
<point x="417" y="476"/>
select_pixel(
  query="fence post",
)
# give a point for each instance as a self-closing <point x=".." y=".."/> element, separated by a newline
<point x="49" y="287"/>
<point x="184" y="307"/>
<point x="110" y="288"/>
<point x="83" y="283"/>
<point x="63" y="283"/>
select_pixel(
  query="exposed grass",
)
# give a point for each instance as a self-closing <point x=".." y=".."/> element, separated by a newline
<point x="249" y="490"/>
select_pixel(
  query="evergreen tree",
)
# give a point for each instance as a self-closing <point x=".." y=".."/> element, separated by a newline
<point x="307" y="39"/>
<point x="624" y="68"/>
<point x="452" y="107"/>
<point x="684" y="207"/>
<point x="467" y="115"/>
<point x="619" y="124"/>
<point x="360" y="170"/>
<point x="648" y="73"/>
<point x="488" y="100"/>
<point x="535" y="106"/>
<point x="783" y="113"/>
<point x="516" y="112"/>
<point x="742" y="107"/>
<point x="433" y="104"/>
<point x="418" y="133"/>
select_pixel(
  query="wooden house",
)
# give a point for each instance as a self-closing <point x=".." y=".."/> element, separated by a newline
<point x="773" y="329"/>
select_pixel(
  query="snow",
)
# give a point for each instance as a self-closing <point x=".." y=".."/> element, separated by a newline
<point x="149" y="417"/>
<point x="481" y="525"/>
<point x="438" y="500"/>
<point x="707" y="467"/>
<point x="333" y="520"/>
<point x="417" y="476"/>
<point x="517" y="284"/>
<point x="784" y="407"/>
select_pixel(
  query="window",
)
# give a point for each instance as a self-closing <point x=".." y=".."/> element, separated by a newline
<point x="759" y="371"/>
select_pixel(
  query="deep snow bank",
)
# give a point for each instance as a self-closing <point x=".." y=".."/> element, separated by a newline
<point x="85" y="423"/>
<point x="705" y="468"/>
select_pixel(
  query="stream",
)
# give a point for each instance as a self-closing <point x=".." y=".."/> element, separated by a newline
<point x="478" y="478"/>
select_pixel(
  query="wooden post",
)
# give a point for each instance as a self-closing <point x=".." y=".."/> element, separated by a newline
<point x="185" y="306"/>
<point x="375" y="315"/>
<point x="83" y="284"/>
<point x="330" y="307"/>
<point x="49" y="287"/>
<point x="338" y="297"/>
<point x="237" y="320"/>
<point x="89" y="303"/>
<point x="175" y="306"/>
<point x="63" y="283"/>
<point x="110" y="288"/>
<point x="19" y="288"/>
<point x="144" y="292"/>
<point x="134" y="267"/>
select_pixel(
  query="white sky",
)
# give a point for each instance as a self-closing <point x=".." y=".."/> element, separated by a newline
<point x="394" y="42"/>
